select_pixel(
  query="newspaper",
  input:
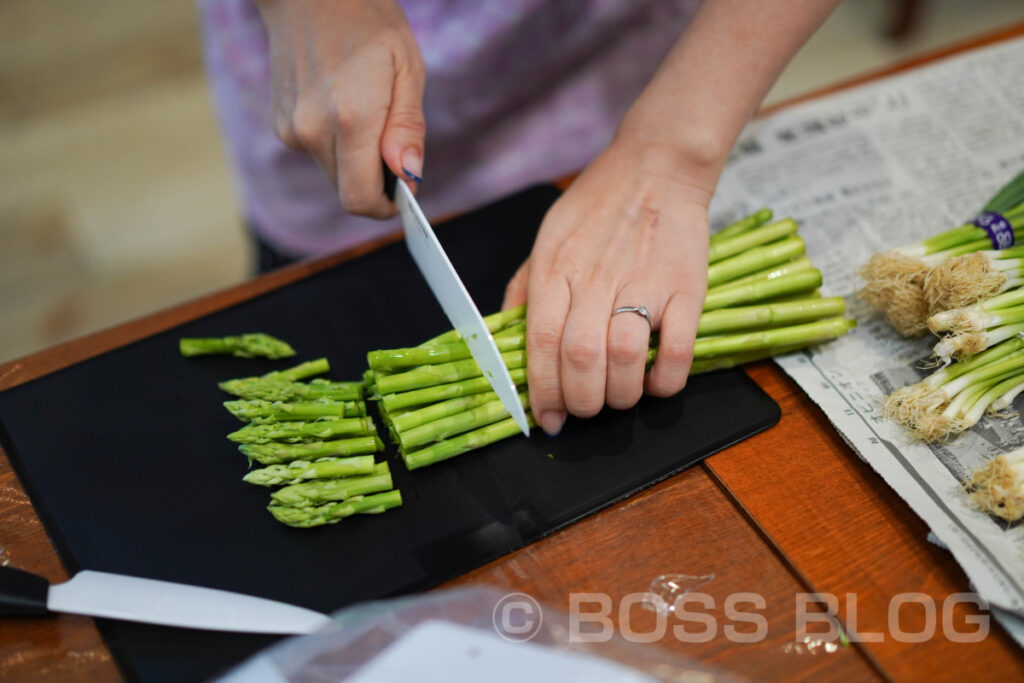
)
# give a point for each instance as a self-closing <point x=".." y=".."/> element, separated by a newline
<point x="868" y="169"/>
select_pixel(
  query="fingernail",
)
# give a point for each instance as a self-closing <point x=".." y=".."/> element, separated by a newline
<point x="412" y="165"/>
<point x="551" y="421"/>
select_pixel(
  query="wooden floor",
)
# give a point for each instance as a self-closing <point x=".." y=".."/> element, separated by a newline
<point x="115" y="199"/>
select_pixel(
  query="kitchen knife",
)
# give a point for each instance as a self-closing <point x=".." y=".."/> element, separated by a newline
<point x="113" y="596"/>
<point x="449" y="291"/>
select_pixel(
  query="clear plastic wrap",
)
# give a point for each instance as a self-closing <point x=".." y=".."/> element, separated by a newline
<point x="472" y="625"/>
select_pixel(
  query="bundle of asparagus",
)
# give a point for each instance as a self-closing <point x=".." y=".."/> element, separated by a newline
<point x="953" y="269"/>
<point x="314" y="440"/>
<point x="762" y="301"/>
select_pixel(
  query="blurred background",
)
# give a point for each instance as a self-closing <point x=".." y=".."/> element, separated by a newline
<point x="115" y="198"/>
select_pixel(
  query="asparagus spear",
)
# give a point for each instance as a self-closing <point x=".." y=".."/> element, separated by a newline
<point x="304" y="431"/>
<point x="395" y="359"/>
<point x="478" y="438"/>
<point x="301" y="470"/>
<point x="277" y="390"/>
<point x="744" y="224"/>
<point x="464" y="421"/>
<point x="441" y="392"/>
<point x="442" y="373"/>
<point x="311" y="493"/>
<point x="335" y="512"/>
<point x="273" y="453"/>
<point x="263" y="412"/>
<point x="762" y="290"/>
<point x="730" y="246"/>
<point x="242" y="346"/>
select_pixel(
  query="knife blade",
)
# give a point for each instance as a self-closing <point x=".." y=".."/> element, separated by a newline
<point x="453" y="296"/>
<point x="130" y="598"/>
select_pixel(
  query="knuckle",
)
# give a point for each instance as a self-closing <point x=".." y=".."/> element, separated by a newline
<point x="409" y="119"/>
<point x="583" y="351"/>
<point x="543" y="338"/>
<point x="626" y="350"/>
<point x="675" y="352"/>
<point x="308" y="126"/>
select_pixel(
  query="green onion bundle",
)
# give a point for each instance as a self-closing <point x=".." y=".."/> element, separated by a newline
<point x="953" y="398"/>
<point x="953" y="269"/>
<point x="762" y="301"/>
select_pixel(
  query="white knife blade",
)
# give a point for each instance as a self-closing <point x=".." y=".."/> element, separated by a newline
<point x="129" y="598"/>
<point x="451" y="293"/>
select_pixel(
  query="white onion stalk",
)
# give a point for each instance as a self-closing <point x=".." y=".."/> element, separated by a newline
<point x="967" y="344"/>
<point x="943" y="321"/>
<point x="974" y="319"/>
<point x="998" y="487"/>
<point x="1006" y="400"/>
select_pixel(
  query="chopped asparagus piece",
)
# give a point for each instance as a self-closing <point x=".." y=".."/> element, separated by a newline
<point x="294" y="432"/>
<point x="301" y="470"/>
<point x="335" y="512"/>
<point x="242" y="346"/>
<point x="273" y="453"/>
<point x="311" y="493"/>
<point x="263" y="412"/>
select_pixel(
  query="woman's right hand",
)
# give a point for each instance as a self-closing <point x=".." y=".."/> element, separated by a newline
<point x="347" y="87"/>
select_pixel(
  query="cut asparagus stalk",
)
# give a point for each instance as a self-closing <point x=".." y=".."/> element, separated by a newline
<point x="304" y="470"/>
<point x="273" y="453"/>
<point x="478" y="438"/>
<point x="436" y="411"/>
<point x="765" y="234"/>
<point x="754" y="260"/>
<point x="741" y="226"/>
<point x="396" y="359"/>
<point x="777" y="314"/>
<point x="277" y="390"/>
<point x="797" y="265"/>
<point x="441" y="392"/>
<point x="335" y="512"/>
<point x="304" y="431"/>
<point x="264" y="412"/>
<point x="442" y="373"/>
<point x="310" y="493"/>
<point x="464" y="421"/>
<point x="242" y="346"/>
<point x="310" y="368"/>
<point x="762" y="290"/>
<point x="807" y="333"/>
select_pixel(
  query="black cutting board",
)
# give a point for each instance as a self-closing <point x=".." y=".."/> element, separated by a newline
<point x="124" y="454"/>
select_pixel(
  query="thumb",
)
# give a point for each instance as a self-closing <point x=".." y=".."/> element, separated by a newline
<point x="402" y="140"/>
<point x="515" y="291"/>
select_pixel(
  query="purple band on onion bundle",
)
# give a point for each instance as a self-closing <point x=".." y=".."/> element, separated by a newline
<point x="998" y="228"/>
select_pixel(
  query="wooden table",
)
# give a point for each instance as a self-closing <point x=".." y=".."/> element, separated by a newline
<point x="790" y="511"/>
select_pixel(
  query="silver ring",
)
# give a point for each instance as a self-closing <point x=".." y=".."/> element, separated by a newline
<point x="640" y="310"/>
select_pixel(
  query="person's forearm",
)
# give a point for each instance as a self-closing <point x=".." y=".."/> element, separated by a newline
<point x="714" y="79"/>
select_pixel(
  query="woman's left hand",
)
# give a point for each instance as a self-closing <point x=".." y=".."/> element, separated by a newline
<point x="632" y="230"/>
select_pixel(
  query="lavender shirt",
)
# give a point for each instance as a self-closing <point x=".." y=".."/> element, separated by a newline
<point x="518" y="92"/>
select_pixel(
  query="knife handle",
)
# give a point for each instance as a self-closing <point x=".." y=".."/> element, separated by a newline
<point x="22" y="594"/>
<point x="390" y="180"/>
